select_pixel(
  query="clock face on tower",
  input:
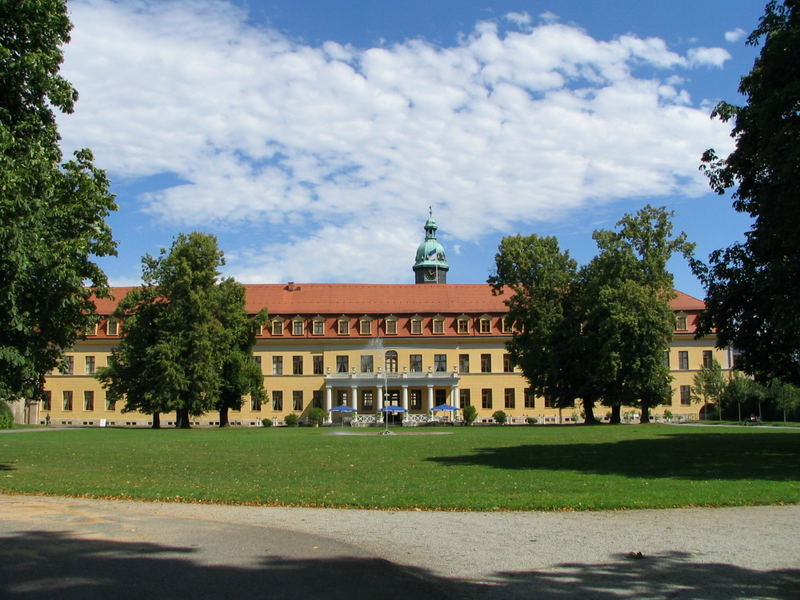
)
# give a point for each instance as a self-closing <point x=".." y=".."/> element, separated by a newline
<point x="430" y="274"/>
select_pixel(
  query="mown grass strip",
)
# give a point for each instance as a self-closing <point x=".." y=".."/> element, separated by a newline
<point x="487" y="468"/>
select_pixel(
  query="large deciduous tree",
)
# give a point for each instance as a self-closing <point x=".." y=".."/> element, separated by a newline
<point x="751" y="287"/>
<point x="187" y="339"/>
<point x="52" y="215"/>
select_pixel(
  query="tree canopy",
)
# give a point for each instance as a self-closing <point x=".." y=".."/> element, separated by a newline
<point x="598" y="333"/>
<point x="52" y="215"/>
<point x="751" y="296"/>
<point x="187" y="339"/>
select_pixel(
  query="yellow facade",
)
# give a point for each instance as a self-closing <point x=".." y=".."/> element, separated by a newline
<point x="415" y="372"/>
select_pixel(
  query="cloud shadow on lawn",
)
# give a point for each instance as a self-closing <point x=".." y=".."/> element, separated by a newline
<point x="38" y="564"/>
<point x="765" y="456"/>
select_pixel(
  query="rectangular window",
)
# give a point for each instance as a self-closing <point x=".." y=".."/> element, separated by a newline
<point x="416" y="399"/>
<point x="548" y="402"/>
<point x="277" y="401"/>
<point x="255" y="404"/>
<point x="509" y="397"/>
<point x="343" y="327"/>
<point x="464" y="398"/>
<point x="505" y="325"/>
<point x="112" y="327"/>
<point x="415" y="363"/>
<point x="66" y="400"/>
<point x="530" y="398"/>
<point x="277" y="328"/>
<point x="90" y="365"/>
<point x="486" y="398"/>
<point x="69" y="365"/>
<point x="440" y="363"/>
<point x="390" y="325"/>
<point x="463" y="363"/>
<point x="508" y="366"/>
<point x="257" y="360"/>
<point x="342" y="364"/>
<point x="666" y="359"/>
<point x="88" y="400"/>
<point x="707" y="358"/>
<point x="47" y="400"/>
<point x="486" y="326"/>
<point x="341" y="397"/>
<point x="440" y="397"/>
<point x="366" y="399"/>
<point x="680" y="323"/>
<point x="317" y="364"/>
<point x="318" y="327"/>
<point x="486" y="363"/>
<point x="367" y="363"/>
<point x="297" y="400"/>
<point x="298" y="327"/>
<point x="316" y="398"/>
<point x="683" y="359"/>
<point x="686" y="395"/>
<point x="462" y="326"/>
<point x="297" y="365"/>
<point x="277" y="365"/>
<point x="365" y="326"/>
<point x="438" y="326"/>
<point x="416" y="326"/>
<point x="110" y="404"/>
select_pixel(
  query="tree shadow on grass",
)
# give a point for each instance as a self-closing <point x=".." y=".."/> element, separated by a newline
<point x="731" y="456"/>
<point x="6" y="467"/>
<point x="40" y="565"/>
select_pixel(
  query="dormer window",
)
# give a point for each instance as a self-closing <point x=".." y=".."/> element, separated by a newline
<point x="416" y="325"/>
<point x="365" y="325"/>
<point x="298" y="326"/>
<point x="462" y="324"/>
<point x="390" y="325"/>
<point x="437" y="325"/>
<point x="680" y="322"/>
<point x="505" y="325"/>
<point x="112" y="327"/>
<point x="343" y="326"/>
<point x="277" y="326"/>
<point x="485" y="324"/>
<point x="318" y="326"/>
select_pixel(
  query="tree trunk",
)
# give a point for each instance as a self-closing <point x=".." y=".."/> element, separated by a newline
<point x="182" y="418"/>
<point x="588" y="412"/>
<point x="156" y="420"/>
<point x="223" y="417"/>
<point x="644" y="419"/>
<point x="616" y="411"/>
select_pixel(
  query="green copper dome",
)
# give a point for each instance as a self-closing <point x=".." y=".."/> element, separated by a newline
<point x="430" y="264"/>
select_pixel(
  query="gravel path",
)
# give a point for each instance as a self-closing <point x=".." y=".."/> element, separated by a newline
<point x="750" y="552"/>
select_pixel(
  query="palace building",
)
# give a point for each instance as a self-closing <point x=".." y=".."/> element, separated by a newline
<point x="367" y="346"/>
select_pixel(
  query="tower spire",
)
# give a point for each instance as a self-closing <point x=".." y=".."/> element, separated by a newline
<point x="430" y="265"/>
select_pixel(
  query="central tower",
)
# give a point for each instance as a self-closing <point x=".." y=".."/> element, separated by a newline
<point x="430" y="265"/>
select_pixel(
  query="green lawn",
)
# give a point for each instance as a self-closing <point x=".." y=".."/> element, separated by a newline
<point x="480" y="468"/>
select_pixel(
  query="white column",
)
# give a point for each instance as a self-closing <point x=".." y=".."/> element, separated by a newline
<point x="354" y="396"/>
<point x="328" y="403"/>
<point x="405" y="397"/>
<point x="380" y="399"/>
<point x="430" y="396"/>
<point x="454" y="399"/>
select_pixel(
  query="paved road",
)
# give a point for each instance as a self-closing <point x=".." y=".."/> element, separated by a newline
<point x="92" y="549"/>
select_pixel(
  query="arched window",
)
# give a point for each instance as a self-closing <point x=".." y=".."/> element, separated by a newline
<point x="391" y="361"/>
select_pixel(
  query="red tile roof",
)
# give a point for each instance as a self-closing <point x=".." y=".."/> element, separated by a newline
<point x="371" y="299"/>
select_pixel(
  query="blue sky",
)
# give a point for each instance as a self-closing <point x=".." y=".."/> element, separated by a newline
<point x="311" y="136"/>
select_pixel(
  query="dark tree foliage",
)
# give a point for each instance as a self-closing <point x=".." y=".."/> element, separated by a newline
<point x="187" y="339"/>
<point x="751" y="287"/>
<point x="52" y="215"/>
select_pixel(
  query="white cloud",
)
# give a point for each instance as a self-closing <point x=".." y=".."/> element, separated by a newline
<point x="518" y="18"/>
<point x="332" y="146"/>
<point x="711" y="57"/>
<point x="735" y="35"/>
